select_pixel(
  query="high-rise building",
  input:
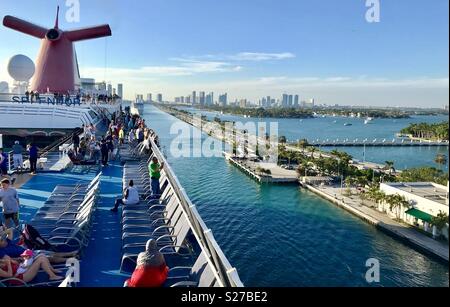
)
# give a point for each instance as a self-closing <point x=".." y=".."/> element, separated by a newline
<point x="109" y="89"/>
<point x="120" y="90"/>
<point x="312" y="101"/>
<point x="194" y="97"/>
<point x="160" y="98"/>
<point x="296" y="101"/>
<point x="149" y="97"/>
<point x="291" y="101"/>
<point x="243" y="103"/>
<point x="223" y="99"/>
<point x="209" y="100"/>
<point x="285" y="101"/>
<point x="188" y="100"/>
<point x="268" y="102"/>
<point x="202" y="98"/>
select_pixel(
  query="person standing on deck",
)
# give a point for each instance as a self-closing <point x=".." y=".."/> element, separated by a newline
<point x="121" y="136"/>
<point x="33" y="150"/>
<point x="105" y="152"/>
<point x="10" y="202"/>
<point x="76" y="143"/>
<point x="17" y="155"/>
<point x="3" y="164"/>
<point x="155" y="173"/>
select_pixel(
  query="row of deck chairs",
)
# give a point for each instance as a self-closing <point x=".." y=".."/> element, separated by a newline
<point x="166" y="221"/>
<point x="66" y="218"/>
<point x="65" y="221"/>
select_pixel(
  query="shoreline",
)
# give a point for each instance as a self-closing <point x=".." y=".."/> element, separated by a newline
<point x="382" y="222"/>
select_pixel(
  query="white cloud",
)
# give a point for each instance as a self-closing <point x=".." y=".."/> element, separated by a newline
<point x="240" y="57"/>
<point x="258" y="56"/>
<point x="185" y="68"/>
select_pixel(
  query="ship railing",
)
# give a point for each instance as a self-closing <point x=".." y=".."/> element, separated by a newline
<point x="228" y="274"/>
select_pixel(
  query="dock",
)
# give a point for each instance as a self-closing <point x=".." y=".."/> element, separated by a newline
<point x="381" y="221"/>
<point x="377" y="143"/>
<point x="277" y="176"/>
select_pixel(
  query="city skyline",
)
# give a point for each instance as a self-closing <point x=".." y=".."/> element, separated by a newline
<point x="253" y="51"/>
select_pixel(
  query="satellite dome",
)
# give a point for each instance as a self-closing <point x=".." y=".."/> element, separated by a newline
<point x="21" y="68"/>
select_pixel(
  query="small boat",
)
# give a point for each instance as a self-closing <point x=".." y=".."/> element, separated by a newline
<point x="368" y="120"/>
<point x="348" y="124"/>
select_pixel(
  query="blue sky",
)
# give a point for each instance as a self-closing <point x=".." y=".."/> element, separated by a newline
<point x="251" y="48"/>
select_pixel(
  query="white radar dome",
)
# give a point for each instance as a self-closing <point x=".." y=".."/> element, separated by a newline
<point x="21" y="68"/>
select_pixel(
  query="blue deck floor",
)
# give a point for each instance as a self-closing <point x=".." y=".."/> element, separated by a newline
<point x="101" y="259"/>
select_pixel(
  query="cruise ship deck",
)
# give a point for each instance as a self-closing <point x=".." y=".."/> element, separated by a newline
<point x="105" y="259"/>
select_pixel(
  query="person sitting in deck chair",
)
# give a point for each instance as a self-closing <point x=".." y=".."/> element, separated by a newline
<point x="130" y="197"/>
<point x="10" y="268"/>
<point x="77" y="160"/>
<point x="9" y="248"/>
<point x="151" y="269"/>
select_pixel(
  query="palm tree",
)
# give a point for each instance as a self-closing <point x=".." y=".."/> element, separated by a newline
<point x="313" y="150"/>
<point x="282" y="139"/>
<point x="440" y="221"/>
<point x="389" y="165"/>
<point x="441" y="159"/>
<point x="397" y="202"/>
<point x="303" y="144"/>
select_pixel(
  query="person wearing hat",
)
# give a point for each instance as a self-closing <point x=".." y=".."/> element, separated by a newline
<point x="10" y="201"/>
<point x="17" y="155"/>
<point x="151" y="269"/>
<point x="28" y="269"/>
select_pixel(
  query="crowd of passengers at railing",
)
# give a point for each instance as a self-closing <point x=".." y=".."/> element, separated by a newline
<point x="89" y="150"/>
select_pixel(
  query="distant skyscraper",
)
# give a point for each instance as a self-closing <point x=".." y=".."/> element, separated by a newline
<point x="109" y="89"/>
<point x="202" y="98"/>
<point x="285" y="101"/>
<point x="291" y="100"/>
<point x="312" y="101"/>
<point x="160" y="98"/>
<point x="296" y="101"/>
<point x="268" y="102"/>
<point x="120" y="90"/>
<point x="194" y="97"/>
<point x="223" y="99"/>
<point x="209" y="100"/>
<point x="149" y="97"/>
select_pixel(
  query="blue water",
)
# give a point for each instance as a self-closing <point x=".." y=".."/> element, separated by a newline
<point x="284" y="236"/>
<point x="333" y="128"/>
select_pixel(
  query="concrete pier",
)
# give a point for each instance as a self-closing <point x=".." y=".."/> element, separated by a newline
<point x="380" y="220"/>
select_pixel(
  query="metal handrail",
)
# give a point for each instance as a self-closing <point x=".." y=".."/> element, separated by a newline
<point x="226" y="272"/>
